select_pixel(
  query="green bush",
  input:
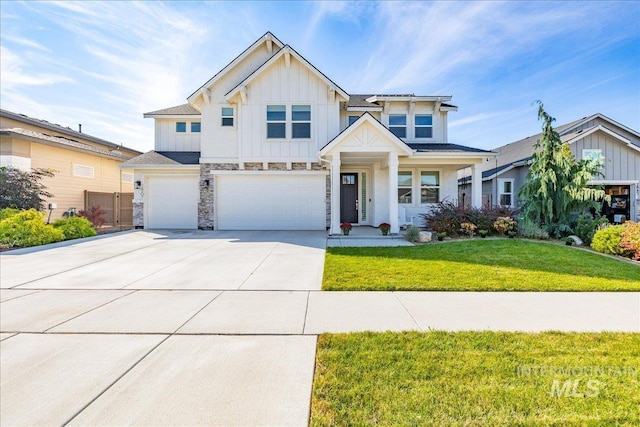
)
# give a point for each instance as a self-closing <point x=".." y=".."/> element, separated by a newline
<point x="74" y="227"/>
<point x="531" y="230"/>
<point x="27" y="228"/>
<point x="607" y="240"/>
<point x="586" y="226"/>
<point x="412" y="234"/>
<point x="8" y="212"/>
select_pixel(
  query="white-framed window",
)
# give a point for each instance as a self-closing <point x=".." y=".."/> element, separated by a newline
<point x="195" y="127"/>
<point x="505" y="192"/>
<point x="593" y="154"/>
<point x="83" y="171"/>
<point x="127" y="177"/>
<point x="181" y="127"/>
<point x="276" y="121"/>
<point x="227" y="116"/>
<point x="405" y="187"/>
<point x="423" y="127"/>
<point x="301" y="121"/>
<point x="398" y="125"/>
<point x="352" y="119"/>
<point x="429" y="187"/>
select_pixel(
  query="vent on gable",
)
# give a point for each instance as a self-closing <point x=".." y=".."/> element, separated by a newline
<point x="83" y="171"/>
<point x="127" y="177"/>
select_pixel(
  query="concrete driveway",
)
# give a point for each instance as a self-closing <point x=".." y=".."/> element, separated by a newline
<point x="216" y="328"/>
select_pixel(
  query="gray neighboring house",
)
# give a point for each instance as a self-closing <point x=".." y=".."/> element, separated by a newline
<point x="596" y="136"/>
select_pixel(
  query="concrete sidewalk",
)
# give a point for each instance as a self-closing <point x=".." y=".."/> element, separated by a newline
<point x="215" y="328"/>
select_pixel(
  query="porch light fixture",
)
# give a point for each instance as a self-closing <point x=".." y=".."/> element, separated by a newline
<point x="206" y="183"/>
<point x="137" y="185"/>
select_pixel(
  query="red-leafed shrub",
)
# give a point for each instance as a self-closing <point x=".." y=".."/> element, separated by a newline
<point x="631" y="239"/>
<point x="95" y="215"/>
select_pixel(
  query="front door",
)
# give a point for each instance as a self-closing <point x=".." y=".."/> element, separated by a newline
<point x="349" y="197"/>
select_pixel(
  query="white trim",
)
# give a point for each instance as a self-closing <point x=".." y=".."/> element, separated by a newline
<point x="612" y="182"/>
<point x="269" y="172"/>
<point x="500" y="192"/>
<point x="177" y="117"/>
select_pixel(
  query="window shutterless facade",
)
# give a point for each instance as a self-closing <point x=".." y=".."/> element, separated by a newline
<point x="352" y="119"/>
<point x="398" y="125"/>
<point x="301" y="121"/>
<point x="181" y="127"/>
<point x="276" y="121"/>
<point x="429" y="187"/>
<point x="423" y="126"/>
<point x="195" y="127"/>
<point x="227" y="115"/>
<point x="505" y="192"/>
<point x="405" y="186"/>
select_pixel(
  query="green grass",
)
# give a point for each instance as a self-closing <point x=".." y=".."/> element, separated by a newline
<point x="473" y="379"/>
<point x="477" y="265"/>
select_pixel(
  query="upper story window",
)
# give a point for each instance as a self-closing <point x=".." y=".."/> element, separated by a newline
<point x="195" y="127"/>
<point x="276" y="121"/>
<point x="227" y="116"/>
<point x="352" y="119"/>
<point x="424" y="126"/>
<point x="398" y="125"/>
<point x="505" y="192"/>
<point x="301" y="121"/>
<point x="593" y="154"/>
<point x="181" y="127"/>
<point x="429" y="187"/>
<point x="405" y="186"/>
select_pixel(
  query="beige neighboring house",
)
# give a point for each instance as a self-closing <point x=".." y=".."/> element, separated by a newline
<point x="86" y="168"/>
<point x="596" y="136"/>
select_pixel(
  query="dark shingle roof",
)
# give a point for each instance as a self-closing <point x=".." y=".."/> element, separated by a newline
<point x="178" y="110"/>
<point x="155" y="158"/>
<point x="182" y="157"/>
<point x="359" y="101"/>
<point x="444" y="146"/>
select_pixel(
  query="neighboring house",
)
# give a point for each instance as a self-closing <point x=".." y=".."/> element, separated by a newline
<point x="84" y="165"/>
<point x="271" y="143"/>
<point x="596" y="136"/>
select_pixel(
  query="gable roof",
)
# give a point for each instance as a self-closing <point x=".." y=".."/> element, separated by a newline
<point x="163" y="159"/>
<point x="178" y="110"/>
<point x="423" y="147"/>
<point x="268" y="36"/>
<point x="286" y="50"/>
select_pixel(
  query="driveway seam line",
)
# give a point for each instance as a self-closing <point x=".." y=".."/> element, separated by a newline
<point x="395" y="294"/>
<point x="306" y="311"/>
<point x="35" y="291"/>
<point x="258" y="266"/>
<point x="115" y="381"/>
<point x="88" y="311"/>
<point x="196" y="313"/>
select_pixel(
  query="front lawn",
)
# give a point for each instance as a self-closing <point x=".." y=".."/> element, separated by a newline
<point x="477" y="265"/>
<point x="477" y="379"/>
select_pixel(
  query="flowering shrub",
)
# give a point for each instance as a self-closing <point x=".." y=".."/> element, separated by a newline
<point x="384" y="227"/>
<point x="446" y="217"/>
<point x="505" y="225"/>
<point x="346" y="226"/>
<point x="631" y="239"/>
<point x="469" y="228"/>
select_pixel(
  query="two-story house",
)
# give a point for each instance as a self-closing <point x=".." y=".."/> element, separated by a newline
<point x="271" y="143"/>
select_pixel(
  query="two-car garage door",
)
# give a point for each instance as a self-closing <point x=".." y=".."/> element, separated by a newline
<point x="271" y="202"/>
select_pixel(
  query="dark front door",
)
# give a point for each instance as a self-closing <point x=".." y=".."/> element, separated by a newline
<point x="349" y="197"/>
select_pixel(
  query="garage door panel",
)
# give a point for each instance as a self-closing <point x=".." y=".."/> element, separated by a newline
<point x="270" y="202"/>
<point x="172" y="202"/>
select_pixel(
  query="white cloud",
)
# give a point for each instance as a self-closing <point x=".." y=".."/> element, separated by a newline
<point x="14" y="73"/>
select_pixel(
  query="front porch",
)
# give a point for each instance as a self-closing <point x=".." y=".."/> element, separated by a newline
<point x="364" y="236"/>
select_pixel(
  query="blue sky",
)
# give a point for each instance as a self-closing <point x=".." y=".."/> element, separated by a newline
<point x="105" y="64"/>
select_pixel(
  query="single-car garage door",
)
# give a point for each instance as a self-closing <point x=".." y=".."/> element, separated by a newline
<point x="172" y="202"/>
<point x="271" y="202"/>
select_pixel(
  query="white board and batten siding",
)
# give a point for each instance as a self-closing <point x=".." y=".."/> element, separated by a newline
<point x="620" y="161"/>
<point x="167" y="139"/>
<point x="270" y="202"/>
<point x="172" y="202"/>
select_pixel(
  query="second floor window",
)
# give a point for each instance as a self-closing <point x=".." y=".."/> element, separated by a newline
<point x="424" y="126"/>
<point x="181" y="127"/>
<point x="352" y="119"/>
<point x="398" y="125"/>
<point x="227" y="116"/>
<point x="276" y="121"/>
<point x="300" y="121"/>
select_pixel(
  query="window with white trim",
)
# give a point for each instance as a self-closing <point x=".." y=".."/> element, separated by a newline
<point x="276" y="121"/>
<point x="429" y="187"/>
<point x="405" y="186"/>
<point x="593" y="154"/>
<point x="398" y="125"/>
<point x="505" y="192"/>
<point x="83" y="171"/>
<point x="195" y="127"/>
<point x="301" y="121"/>
<point x="227" y="115"/>
<point x="352" y="119"/>
<point x="181" y="127"/>
<point x="423" y="126"/>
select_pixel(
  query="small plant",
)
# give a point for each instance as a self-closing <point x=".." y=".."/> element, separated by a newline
<point x="607" y="240"/>
<point x="631" y="239"/>
<point x="346" y="228"/>
<point x="483" y="233"/>
<point x="512" y="234"/>
<point x="469" y="228"/>
<point x="27" y="228"/>
<point x="74" y="227"/>
<point x="441" y="235"/>
<point x="384" y="228"/>
<point x="531" y="230"/>
<point x="412" y="234"/>
<point x="95" y="214"/>
<point x="505" y="225"/>
<point x="568" y="241"/>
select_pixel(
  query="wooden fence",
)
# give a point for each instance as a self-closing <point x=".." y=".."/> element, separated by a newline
<point x="118" y="207"/>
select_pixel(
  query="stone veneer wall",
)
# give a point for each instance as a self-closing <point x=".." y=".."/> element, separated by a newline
<point x="138" y="215"/>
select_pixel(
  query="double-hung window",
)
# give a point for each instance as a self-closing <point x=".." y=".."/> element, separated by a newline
<point x="505" y="192"/>
<point x="423" y="126"/>
<point x="398" y="125"/>
<point x="429" y="187"/>
<point x="227" y="116"/>
<point x="301" y="121"/>
<point x="276" y="121"/>
<point x="405" y="186"/>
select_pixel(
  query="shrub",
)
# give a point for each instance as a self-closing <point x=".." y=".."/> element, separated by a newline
<point x="631" y="239"/>
<point x="607" y="240"/>
<point x="447" y="217"/>
<point x="8" y="212"/>
<point x="586" y="225"/>
<point x="531" y="230"/>
<point x="505" y="225"/>
<point x="74" y="227"/>
<point x="469" y="228"/>
<point x="23" y="189"/>
<point x="412" y="234"/>
<point x="27" y="228"/>
<point x="95" y="214"/>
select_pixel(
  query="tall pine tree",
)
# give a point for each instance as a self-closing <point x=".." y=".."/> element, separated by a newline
<point x="556" y="184"/>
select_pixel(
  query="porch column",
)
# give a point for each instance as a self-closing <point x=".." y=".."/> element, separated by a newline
<point x="335" y="194"/>
<point x="476" y="186"/>
<point x="393" y="192"/>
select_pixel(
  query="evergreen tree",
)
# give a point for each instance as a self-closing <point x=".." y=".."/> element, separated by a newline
<point x="556" y="184"/>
